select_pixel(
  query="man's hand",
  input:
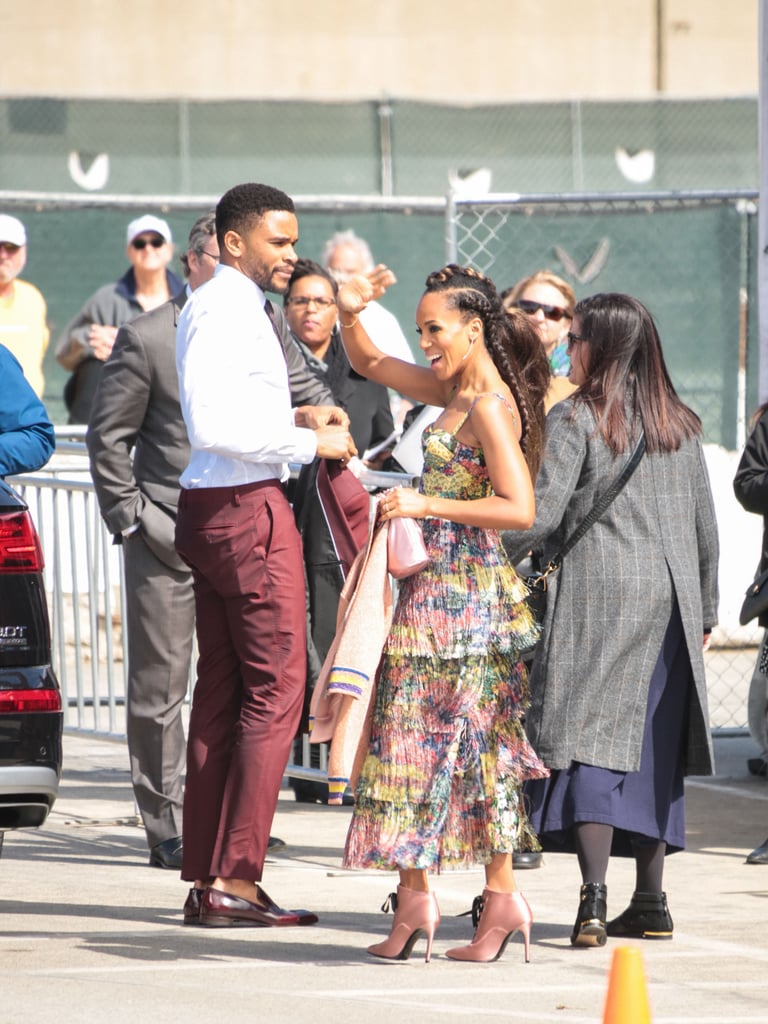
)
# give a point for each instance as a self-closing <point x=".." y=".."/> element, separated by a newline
<point x="335" y="442"/>
<point x="101" y="338"/>
<point x="314" y="416"/>
<point x="381" y="278"/>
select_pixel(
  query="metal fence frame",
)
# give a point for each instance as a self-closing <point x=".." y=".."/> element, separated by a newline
<point x="472" y="246"/>
<point x="87" y="654"/>
<point x="85" y="583"/>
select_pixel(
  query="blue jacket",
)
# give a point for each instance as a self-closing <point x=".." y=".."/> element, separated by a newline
<point x="27" y="438"/>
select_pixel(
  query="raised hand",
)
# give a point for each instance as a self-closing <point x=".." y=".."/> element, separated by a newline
<point x="381" y="278"/>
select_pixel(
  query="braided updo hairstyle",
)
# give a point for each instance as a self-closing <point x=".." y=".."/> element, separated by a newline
<point x="513" y="344"/>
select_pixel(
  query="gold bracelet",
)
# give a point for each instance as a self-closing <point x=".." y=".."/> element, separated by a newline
<point x="356" y="320"/>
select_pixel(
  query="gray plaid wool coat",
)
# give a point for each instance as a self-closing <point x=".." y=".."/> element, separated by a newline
<point x="609" y="607"/>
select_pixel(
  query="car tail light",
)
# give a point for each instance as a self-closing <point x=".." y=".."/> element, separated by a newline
<point x="20" y="549"/>
<point x="13" y="701"/>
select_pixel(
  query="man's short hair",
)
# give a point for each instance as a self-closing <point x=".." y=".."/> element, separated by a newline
<point x="242" y="206"/>
<point x="201" y="231"/>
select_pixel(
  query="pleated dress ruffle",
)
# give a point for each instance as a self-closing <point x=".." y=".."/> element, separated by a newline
<point x="441" y="786"/>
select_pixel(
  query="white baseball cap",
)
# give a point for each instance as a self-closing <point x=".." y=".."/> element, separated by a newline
<point x="148" y="223"/>
<point x="12" y="230"/>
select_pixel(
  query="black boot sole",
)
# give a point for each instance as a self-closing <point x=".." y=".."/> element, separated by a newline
<point x="590" y="933"/>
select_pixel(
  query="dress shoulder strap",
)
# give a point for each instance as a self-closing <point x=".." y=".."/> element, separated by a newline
<point x="486" y="394"/>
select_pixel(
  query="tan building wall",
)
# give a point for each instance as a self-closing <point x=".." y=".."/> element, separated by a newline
<point x="473" y="51"/>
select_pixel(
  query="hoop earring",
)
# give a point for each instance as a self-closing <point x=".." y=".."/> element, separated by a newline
<point x="471" y="346"/>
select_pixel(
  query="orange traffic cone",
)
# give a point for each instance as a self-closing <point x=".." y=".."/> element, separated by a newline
<point x="627" y="999"/>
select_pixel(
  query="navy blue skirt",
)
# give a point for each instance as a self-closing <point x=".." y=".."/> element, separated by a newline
<point x="643" y="806"/>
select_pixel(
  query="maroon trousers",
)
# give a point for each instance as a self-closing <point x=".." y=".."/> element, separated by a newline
<point x="245" y="554"/>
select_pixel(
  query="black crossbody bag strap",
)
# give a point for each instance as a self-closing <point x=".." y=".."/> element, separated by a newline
<point x="600" y="505"/>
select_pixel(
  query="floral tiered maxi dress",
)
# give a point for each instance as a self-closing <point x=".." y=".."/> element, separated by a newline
<point x="441" y="785"/>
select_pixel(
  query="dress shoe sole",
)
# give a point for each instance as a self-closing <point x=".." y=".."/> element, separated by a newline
<point x="216" y="921"/>
<point x="158" y="862"/>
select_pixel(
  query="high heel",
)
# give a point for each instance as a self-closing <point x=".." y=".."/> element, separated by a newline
<point x="498" y="916"/>
<point x="416" y="914"/>
<point x="589" y="928"/>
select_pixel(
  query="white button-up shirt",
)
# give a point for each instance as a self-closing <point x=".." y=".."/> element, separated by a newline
<point x="233" y="384"/>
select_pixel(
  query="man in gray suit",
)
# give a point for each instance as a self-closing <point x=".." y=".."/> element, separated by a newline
<point x="136" y="408"/>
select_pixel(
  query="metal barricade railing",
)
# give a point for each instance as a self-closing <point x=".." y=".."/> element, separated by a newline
<point x="85" y="585"/>
<point x="86" y="595"/>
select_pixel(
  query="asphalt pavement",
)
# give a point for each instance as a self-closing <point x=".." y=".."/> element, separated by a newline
<point x="90" y="933"/>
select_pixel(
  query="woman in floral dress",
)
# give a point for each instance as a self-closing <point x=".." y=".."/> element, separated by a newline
<point x="441" y="785"/>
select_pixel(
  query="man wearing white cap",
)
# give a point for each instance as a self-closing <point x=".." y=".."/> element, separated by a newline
<point x="88" y="339"/>
<point x="23" y="327"/>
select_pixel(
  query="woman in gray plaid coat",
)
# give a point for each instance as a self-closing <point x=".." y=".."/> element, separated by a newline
<point x="618" y="696"/>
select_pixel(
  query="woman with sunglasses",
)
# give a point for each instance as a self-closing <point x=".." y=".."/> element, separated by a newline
<point x="618" y="693"/>
<point x="548" y="300"/>
<point x="87" y="340"/>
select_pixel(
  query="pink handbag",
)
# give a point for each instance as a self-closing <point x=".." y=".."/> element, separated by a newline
<point x="406" y="553"/>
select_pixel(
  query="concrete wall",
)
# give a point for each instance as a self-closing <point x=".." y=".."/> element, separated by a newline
<point x="478" y="51"/>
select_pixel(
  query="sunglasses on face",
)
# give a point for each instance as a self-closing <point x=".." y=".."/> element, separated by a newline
<point x="10" y="248"/>
<point x="141" y="243"/>
<point x="550" y="312"/>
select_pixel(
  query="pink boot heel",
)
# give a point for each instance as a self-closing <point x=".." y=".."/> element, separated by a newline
<point x="416" y="914"/>
<point x="502" y="914"/>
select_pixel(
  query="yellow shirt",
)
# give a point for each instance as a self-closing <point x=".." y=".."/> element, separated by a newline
<point x="23" y="330"/>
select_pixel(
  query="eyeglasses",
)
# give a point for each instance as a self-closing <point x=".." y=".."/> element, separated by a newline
<point x="550" y="312"/>
<point x="141" y="243"/>
<point x="10" y="248"/>
<point x="573" y="338"/>
<point x="204" y="252"/>
<point x="302" y="301"/>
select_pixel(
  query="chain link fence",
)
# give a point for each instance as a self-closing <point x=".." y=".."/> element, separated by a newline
<point x="385" y="147"/>
<point x="690" y="256"/>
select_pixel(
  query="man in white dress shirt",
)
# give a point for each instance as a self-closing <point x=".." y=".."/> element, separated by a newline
<point x="237" y="532"/>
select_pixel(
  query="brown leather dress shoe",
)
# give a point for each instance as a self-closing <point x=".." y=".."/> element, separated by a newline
<point x="222" y="909"/>
<point x="192" y="906"/>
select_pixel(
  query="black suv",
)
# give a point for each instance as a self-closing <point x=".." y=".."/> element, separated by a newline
<point x="31" y="719"/>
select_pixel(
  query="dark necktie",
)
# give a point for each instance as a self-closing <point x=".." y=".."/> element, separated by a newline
<point x="269" y="309"/>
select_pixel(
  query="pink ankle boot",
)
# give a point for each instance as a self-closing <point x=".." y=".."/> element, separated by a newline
<point x="503" y="914"/>
<point x="416" y="914"/>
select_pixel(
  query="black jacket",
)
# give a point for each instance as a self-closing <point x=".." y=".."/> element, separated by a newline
<point x="750" y="485"/>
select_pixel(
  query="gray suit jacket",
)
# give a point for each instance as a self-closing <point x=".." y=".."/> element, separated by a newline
<point x="612" y="599"/>
<point x="137" y="408"/>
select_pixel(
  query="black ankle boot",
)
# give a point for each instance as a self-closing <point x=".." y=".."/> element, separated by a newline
<point x="646" y="917"/>
<point x="589" y="929"/>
